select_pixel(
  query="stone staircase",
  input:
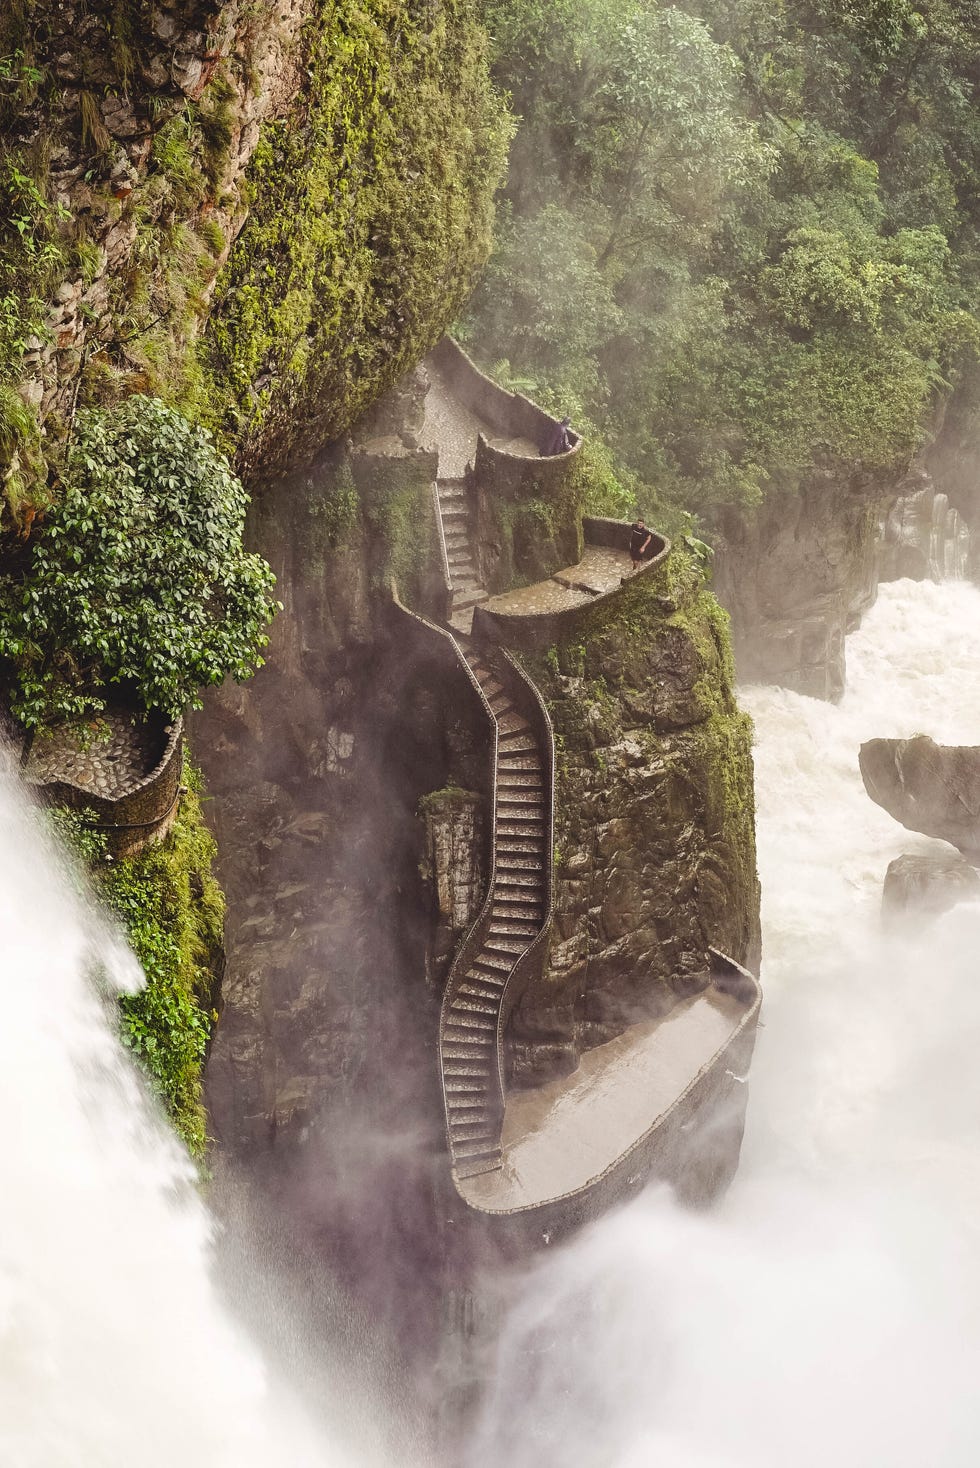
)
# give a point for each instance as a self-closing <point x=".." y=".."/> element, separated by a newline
<point x="455" y="512"/>
<point x="517" y="904"/>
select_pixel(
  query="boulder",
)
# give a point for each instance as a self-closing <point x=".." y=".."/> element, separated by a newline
<point x="929" y="787"/>
<point x="919" y="888"/>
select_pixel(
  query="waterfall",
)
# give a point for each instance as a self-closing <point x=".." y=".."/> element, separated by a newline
<point x="115" y="1350"/>
<point x="828" y="1311"/>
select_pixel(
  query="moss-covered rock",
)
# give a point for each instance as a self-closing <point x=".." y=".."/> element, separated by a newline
<point x="172" y="910"/>
<point x="654" y="820"/>
<point x="371" y="212"/>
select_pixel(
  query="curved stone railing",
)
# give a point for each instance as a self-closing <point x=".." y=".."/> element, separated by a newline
<point x="144" y="809"/>
<point x="669" y="1148"/>
<point x="510" y="413"/>
<point x="536" y="630"/>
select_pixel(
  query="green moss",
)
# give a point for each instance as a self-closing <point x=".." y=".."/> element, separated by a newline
<point x="370" y="214"/>
<point x="172" y="910"/>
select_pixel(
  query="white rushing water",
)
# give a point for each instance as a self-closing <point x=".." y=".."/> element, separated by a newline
<point x="115" y="1351"/>
<point x="828" y="1312"/>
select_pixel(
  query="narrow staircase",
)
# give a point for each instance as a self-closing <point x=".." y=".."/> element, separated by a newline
<point x="467" y="592"/>
<point x="517" y="904"/>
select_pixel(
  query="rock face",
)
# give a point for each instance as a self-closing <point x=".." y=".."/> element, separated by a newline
<point x="654" y="828"/>
<point x="923" y="536"/>
<point x="929" y="787"/>
<point x="918" y="888"/>
<point x="796" y="575"/>
<point x="306" y="185"/>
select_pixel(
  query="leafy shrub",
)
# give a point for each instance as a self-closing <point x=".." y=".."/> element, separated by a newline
<point x="138" y="577"/>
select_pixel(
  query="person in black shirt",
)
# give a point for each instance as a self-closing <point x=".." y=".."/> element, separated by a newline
<point x="640" y="538"/>
<point x="559" y="440"/>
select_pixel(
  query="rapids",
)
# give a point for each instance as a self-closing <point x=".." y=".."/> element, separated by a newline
<point x="828" y="1312"/>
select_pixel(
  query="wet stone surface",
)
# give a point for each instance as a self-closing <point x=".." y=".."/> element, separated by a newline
<point x="117" y="754"/>
<point x="452" y="430"/>
<point x="600" y="571"/>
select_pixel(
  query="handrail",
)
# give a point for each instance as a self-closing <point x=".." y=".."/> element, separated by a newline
<point x="447" y="580"/>
<point x="725" y="969"/>
<point x="520" y="974"/>
<point x="475" y="934"/>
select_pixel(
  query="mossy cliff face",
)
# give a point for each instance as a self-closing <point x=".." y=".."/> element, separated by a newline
<point x="358" y="145"/>
<point x="654" y="829"/>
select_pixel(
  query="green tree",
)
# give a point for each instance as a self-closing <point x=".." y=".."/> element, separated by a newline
<point x="138" y="578"/>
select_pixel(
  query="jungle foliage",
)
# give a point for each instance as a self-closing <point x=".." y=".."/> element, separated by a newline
<point x="741" y="238"/>
<point x="138" y="577"/>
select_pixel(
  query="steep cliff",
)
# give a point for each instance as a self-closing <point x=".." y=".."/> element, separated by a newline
<point x="655" y="836"/>
<point x="350" y="151"/>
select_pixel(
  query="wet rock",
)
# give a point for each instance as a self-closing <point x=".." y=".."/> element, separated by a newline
<point x="928" y="787"/>
<point x="919" y="888"/>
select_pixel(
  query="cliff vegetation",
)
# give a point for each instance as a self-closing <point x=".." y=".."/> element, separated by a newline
<point x="739" y="238"/>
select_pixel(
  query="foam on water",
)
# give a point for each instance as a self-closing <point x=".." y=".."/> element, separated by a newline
<point x="828" y="1312"/>
<point x="115" y="1351"/>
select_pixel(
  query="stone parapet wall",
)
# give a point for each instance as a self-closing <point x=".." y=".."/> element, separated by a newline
<point x="694" y="1145"/>
<point x="146" y="805"/>
<point x="535" y="631"/>
<point x="511" y="414"/>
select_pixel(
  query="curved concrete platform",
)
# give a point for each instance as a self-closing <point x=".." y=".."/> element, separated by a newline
<point x="566" y="1137"/>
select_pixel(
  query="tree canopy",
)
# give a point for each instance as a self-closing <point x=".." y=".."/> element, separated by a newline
<point x="739" y="238"/>
<point x="138" y="578"/>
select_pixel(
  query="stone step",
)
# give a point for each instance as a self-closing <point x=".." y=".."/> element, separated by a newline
<point x="473" y="1131"/>
<point x="509" y="744"/>
<point x="457" y="1050"/>
<point x="520" y="759"/>
<point x="454" y="507"/>
<point x="472" y="1151"/>
<point x="474" y="990"/>
<point x="463" y="581"/>
<point x="492" y="978"/>
<point x="519" y="830"/>
<point x="494" y="963"/>
<point x="510" y="948"/>
<point x="466" y="1019"/>
<point x="471" y="1067"/>
<point x="461" y="560"/>
<point x="466" y="1093"/>
<point x="500" y="704"/>
<point x="468" y="599"/>
<point x="519" y="810"/>
<point x="522" y="930"/>
<point x="523" y="905"/>
<point x="468" y="1106"/>
<point x="513" y="723"/>
<point x="493" y="1163"/>
<point x="510" y="781"/>
<point x="512" y="879"/>
<point x="508" y="862"/>
<point x="472" y="1006"/>
<point x="518" y="846"/>
<point x="490" y="685"/>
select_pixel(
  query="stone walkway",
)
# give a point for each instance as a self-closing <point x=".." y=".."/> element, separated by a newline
<point x="600" y="570"/>
<point x="122" y="752"/>
<point x="451" y="430"/>
<point x="561" y="1137"/>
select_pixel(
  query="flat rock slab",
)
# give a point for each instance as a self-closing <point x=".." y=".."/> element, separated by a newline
<point x="562" y="1136"/>
<point x="600" y="571"/>
<point x="451" y="430"/>
<point x="111" y="761"/>
<point x="929" y="787"/>
<point x="921" y="887"/>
